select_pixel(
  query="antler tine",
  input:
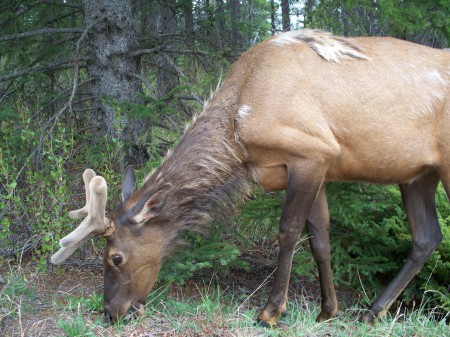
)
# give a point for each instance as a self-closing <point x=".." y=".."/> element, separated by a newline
<point x="65" y="252"/>
<point x="88" y="175"/>
<point x="94" y="224"/>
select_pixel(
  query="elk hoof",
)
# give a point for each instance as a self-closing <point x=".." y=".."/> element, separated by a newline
<point x="268" y="318"/>
<point x="108" y="318"/>
<point x="322" y="317"/>
<point x="261" y="323"/>
<point x="368" y="317"/>
<point x="325" y="315"/>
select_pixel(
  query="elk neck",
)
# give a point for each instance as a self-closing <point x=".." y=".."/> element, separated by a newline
<point x="206" y="171"/>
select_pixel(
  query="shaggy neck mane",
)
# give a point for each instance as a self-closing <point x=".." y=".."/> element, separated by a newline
<point x="205" y="171"/>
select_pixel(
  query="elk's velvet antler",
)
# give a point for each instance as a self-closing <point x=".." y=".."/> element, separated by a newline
<point x="95" y="222"/>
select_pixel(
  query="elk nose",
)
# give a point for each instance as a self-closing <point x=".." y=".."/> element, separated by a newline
<point x="108" y="317"/>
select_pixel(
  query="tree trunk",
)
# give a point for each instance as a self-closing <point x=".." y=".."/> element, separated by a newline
<point x="188" y="17"/>
<point x="285" y="18"/>
<point x="111" y="37"/>
<point x="308" y="10"/>
<point x="235" y="15"/>
<point x="163" y="23"/>
<point x="219" y="24"/>
<point x="272" y="17"/>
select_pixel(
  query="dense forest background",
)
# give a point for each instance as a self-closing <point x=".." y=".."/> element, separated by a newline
<point x="103" y="84"/>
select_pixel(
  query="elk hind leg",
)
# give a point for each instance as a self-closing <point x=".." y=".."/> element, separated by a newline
<point x="418" y="201"/>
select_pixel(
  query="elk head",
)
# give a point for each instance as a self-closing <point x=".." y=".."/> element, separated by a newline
<point x="134" y="249"/>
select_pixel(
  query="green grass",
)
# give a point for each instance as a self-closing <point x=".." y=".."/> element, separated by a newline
<point x="210" y="312"/>
<point x="192" y="310"/>
<point x="224" y="314"/>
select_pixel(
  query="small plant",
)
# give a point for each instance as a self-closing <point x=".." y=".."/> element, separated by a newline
<point x="74" y="326"/>
<point x="73" y="320"/>
<point x="93" y="303"/>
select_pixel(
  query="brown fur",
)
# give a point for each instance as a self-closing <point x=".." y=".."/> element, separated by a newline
<point x="294" y="112"/>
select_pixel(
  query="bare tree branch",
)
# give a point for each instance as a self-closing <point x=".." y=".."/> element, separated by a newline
<point x="180" y="36"/>
<point x="6" y="92"/>
<point x="167" y="50"/>
<point x="77" y="56"/>
<point x="41" y="31"/>
<point x="146" y="51"/>
<point x="64" y="92"/>
<point x="181" y="74"/>
<point x="75" y="72"/>
<point x="67" y="15"/>
<point x="47" y="126"/>
<point x="147" y="84"/>
<point x="60" y="3"/>
<point x="184" y="51"/>
<point x="50" y="66"/>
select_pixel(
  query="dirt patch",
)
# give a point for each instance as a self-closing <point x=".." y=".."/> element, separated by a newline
<point x="34" y="298"/>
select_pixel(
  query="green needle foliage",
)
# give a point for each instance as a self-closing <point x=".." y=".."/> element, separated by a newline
<point x="370" y="240"/>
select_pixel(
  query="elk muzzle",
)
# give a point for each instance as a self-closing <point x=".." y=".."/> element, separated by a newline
<point x="127" y="311"/>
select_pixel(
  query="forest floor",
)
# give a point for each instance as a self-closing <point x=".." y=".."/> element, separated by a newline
<point x="68" y="302"/>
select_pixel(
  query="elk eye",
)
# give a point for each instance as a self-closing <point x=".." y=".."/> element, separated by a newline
<point x="116" y="259"/>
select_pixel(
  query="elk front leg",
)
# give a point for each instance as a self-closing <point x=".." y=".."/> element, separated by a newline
<point x="418" y="200"/>
<point x="318" y="225"/>
<point x="303" y="185"/>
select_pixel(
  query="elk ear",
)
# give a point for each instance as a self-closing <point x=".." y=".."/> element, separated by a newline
<point x="153" y="205"/>
<point x="128" y="183"/>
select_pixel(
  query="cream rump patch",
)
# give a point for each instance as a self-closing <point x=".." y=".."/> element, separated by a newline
<point x="331" y="48"/>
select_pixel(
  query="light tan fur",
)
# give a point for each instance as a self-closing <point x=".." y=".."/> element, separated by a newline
<point x="295" y="111"/>
<point x="376" y="120"/>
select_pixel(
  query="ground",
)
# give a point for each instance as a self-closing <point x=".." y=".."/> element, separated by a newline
<point x="45" y="303"/>
<point x="67" y="301"/>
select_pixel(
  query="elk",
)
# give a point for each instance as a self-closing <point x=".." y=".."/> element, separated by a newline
<point x="296" y="111"/>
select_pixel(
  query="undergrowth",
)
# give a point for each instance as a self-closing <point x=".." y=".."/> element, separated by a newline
<point x="370" y="240"/>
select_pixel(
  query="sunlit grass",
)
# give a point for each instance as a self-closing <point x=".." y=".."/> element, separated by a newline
<point x="201" y="309"/>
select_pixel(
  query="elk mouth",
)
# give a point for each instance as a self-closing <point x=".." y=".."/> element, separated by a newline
<point x="134" y="311"/>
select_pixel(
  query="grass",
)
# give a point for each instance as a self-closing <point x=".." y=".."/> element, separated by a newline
<point x="15" y="296"/>
<point x="210" y="312"/>
<point x="193" y="310"/>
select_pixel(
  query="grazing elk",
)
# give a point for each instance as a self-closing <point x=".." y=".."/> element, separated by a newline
<point x="296" y="111"/>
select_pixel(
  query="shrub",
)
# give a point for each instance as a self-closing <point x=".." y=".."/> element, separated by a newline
<point x="370" y="239"/>
<point x="38" y="188"/>
<point x="34" y="189"/>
